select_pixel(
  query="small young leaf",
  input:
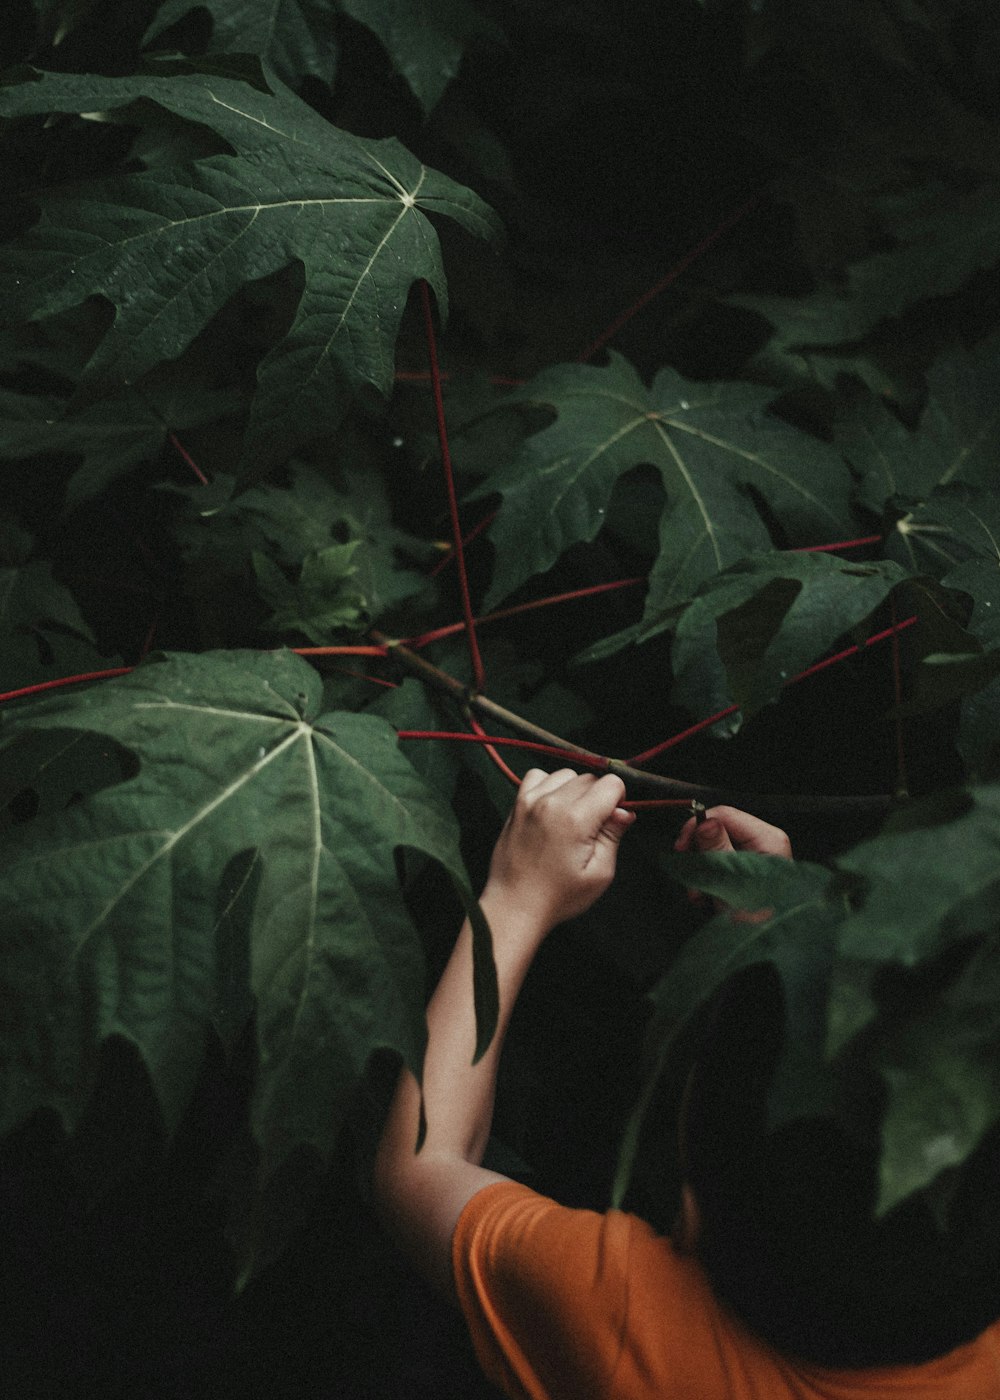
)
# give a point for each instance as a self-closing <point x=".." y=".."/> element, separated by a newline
<point x="322" y="602"/>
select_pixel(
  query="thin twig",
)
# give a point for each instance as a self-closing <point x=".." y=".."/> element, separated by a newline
<point x="623" y="319"/>
<point x="633" y="777"/>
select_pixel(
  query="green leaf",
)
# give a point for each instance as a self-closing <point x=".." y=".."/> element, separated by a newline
<point x="953" y="524"/>
<point x="292" y="37"/>
<point x="858" y="952"/>
<point x="931" y="879"/>
<point x="797" y="939"/>
<point x="943" y="238"/>
<point x="169" y="247"/>
<point x="43" y="634"/>
<point x="126" y="933"/>
<point x="767" y="618"/>
<point x="956" y="442"/>
<point x="929" y="876"/>
<point x="322" y="601"/>
<point x="956" y="534"/>
<point x="425" y="40"/>
<point x="711" y="443"/>
<point x="221" y="533"/>
<point x="30" y="597"/>
<point x="111" y="436"/>
<point x="942" y="1071"/>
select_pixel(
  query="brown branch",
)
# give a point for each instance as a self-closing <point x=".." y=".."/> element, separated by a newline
<point x="653" y="783"/>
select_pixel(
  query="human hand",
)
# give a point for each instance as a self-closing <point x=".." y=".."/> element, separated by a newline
<point x="558" y="848"/>
<point x="729" y="829"/>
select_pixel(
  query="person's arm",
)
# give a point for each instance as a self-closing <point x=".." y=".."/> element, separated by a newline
<point x="555" y="856"/>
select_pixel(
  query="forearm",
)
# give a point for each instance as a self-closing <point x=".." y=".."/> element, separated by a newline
<point x="457" y="1094"/>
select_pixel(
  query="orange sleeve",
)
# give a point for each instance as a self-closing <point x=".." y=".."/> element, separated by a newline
<point x="529" y="1274"/>
<point x="552" y="1308"/>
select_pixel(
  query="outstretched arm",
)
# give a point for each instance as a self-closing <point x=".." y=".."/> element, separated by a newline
<point x="555" y="856"/>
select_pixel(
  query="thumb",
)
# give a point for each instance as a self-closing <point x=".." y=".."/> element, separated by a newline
<point x="711" y="835"/>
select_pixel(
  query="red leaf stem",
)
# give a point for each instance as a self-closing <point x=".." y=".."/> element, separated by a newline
<point x="57" y="684"/>
<point x="179" y="447"/>
<point x="675" y="739"/>
<point x="621" y="320"/>
<point x="489" y="740"/>
<point x="840" y="544"/>
<point x="439" y="633"/>
<point x="495" y="758"/>
<point x="65" y="680"/>
<point x="852" y="651"/>
<point x="363" y="676"/>
<point x="639" y="805"/>
<point x="340" y="651"/>
<point x="449" y="555"/>
<point x="479" y="675"/>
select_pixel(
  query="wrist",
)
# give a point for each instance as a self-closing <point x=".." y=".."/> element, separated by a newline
<point x="513" y="917"/>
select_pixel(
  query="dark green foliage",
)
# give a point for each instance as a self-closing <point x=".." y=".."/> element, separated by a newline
<point x="215" y="217"/>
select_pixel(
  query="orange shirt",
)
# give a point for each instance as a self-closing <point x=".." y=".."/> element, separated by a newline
<point x="573" y="1305"/>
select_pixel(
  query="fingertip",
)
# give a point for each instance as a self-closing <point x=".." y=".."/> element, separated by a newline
<point x="711" y="835"/>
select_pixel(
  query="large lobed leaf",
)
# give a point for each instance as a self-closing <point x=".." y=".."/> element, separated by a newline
<point x="711" y="444"/>
<point x="424" y="41"/>
<point x="291" y="37"/>
<point x="855" y="950"/>
<point x="942" y="239"/>
<point x="110" y="437"/>
<point x="751" y="629"/>
<point x="957" y="440"/>
<point x="43" y="634"/>
<point x="169" y="247"/>
<point x="117" y="912"/>
<point x="955" y="533"/>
